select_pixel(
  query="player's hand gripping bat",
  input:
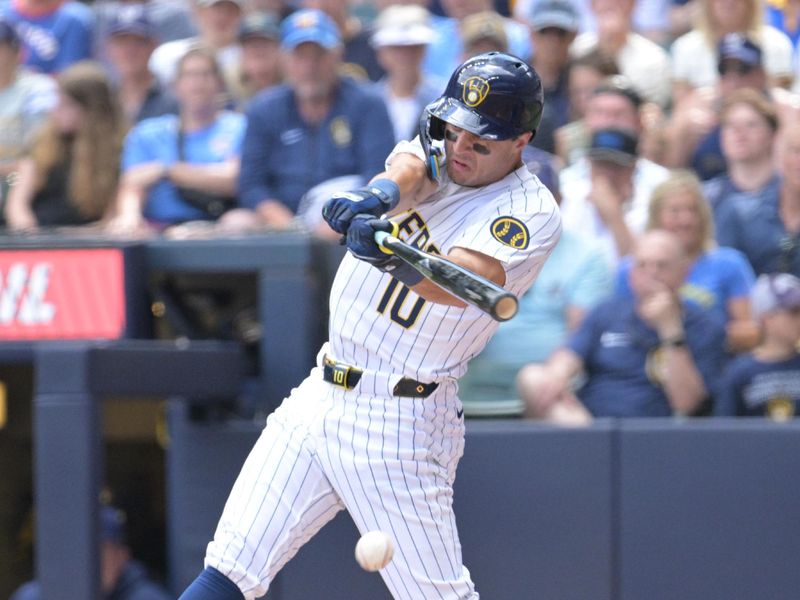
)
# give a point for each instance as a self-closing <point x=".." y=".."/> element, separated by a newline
<point x="462" y="283"/>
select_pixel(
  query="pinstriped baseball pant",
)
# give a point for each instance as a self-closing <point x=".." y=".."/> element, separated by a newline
<point x="389" y="461"/>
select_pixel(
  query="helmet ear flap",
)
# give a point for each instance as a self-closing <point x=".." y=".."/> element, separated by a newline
<point x="431" y="135"/>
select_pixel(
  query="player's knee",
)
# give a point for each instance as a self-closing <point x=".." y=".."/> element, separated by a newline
<point x="212" y="585"/>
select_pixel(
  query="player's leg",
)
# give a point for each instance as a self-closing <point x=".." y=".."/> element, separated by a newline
<point x="281" y="498"/>
<point x="393" y="463"/>
<point x="212" y="585"/>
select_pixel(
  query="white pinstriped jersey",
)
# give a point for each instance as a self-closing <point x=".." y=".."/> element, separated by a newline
<point x="379" y="324"/>
<point x="389" y="460"/>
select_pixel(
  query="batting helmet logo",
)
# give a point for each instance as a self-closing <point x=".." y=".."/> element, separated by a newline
<point x="511" y="232"/>
<point x="475" y="91"/>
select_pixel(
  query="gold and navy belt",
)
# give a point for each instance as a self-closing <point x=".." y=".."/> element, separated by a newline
<point x="347" y="377"/>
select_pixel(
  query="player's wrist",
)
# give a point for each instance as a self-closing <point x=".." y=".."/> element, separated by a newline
<point x="387" y="192"/>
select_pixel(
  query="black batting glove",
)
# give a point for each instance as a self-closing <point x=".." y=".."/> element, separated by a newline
<point x="361" y="239"/>
<point x="374" y="199"/>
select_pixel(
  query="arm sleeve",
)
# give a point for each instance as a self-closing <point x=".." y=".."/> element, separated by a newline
<point x="259" y="139"/>
<point x="407" y="147"/>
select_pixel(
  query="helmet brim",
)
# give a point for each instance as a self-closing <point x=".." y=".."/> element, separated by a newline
<point x="454" y="112"/>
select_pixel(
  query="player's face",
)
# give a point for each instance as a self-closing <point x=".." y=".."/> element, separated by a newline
<point x="473" y="161"/>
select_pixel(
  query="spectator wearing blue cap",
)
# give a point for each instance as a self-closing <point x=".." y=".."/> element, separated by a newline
<point x="766" y="381"/>
<point x="317" y="126"/>
<point x="55" y="34"/>
<point x="170" y="19"/>
<point x="25" y="100"/>
<point x="130" y="41"/>
<point x="694" y="54"/>
<point x="121" y="576"/>
<point x="693" y="134"/>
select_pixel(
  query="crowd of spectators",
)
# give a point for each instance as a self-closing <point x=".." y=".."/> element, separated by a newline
<point x="670" y="138"/>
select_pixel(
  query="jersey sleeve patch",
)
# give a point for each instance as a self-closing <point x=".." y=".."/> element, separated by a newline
<point x="511" y="232"/>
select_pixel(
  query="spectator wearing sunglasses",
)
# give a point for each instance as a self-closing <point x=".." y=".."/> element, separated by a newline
<point x="693" y="134"/>
<point x="766" y="381"/>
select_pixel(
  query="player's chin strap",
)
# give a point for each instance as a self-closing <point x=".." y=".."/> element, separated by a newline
<point x="431" y="135"/>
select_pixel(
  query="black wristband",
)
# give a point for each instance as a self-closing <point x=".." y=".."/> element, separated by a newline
<point x="679" y="342"/>
<point x="402" y="271"/>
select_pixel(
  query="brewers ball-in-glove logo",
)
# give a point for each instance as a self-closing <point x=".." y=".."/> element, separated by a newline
<point x="511" y="232"/>
<point x="475" y="91"/>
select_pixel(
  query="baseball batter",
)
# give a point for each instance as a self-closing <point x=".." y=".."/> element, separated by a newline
<point x="377" y="427"/>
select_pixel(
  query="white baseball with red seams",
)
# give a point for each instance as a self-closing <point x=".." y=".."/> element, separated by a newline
<point x="374" y="550"/>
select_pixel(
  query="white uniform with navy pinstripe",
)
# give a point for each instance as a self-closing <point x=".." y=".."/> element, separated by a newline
<point x="389" y="460"/>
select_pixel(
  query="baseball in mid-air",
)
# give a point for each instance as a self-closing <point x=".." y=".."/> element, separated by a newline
<point x="374" y="550"/>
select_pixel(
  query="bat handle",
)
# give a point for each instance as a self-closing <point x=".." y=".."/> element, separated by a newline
<point x="380" y="238"/>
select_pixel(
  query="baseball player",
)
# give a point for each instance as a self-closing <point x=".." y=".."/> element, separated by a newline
<point x="377" y="428"/>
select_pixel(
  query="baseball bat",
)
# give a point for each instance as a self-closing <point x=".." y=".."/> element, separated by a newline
<point x="462" y="283"/>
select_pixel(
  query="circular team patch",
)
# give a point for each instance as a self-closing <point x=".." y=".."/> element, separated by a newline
<point x="511" y="232"/>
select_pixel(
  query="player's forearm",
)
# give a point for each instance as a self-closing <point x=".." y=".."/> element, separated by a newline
<point x="480" y="264"/>
<point x="409" y="173"/>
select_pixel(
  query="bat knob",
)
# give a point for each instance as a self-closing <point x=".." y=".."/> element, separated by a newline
<point x="506" y="307"/>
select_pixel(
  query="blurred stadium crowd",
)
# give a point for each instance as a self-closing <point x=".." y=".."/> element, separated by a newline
<point x="670" y="138"/>
<point x="228" y="117"/>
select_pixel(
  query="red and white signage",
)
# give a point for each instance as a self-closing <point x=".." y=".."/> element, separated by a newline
<point x="62" y="294"/>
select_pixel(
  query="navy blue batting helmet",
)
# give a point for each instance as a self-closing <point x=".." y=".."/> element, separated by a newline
<point x="494" y="95"/>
